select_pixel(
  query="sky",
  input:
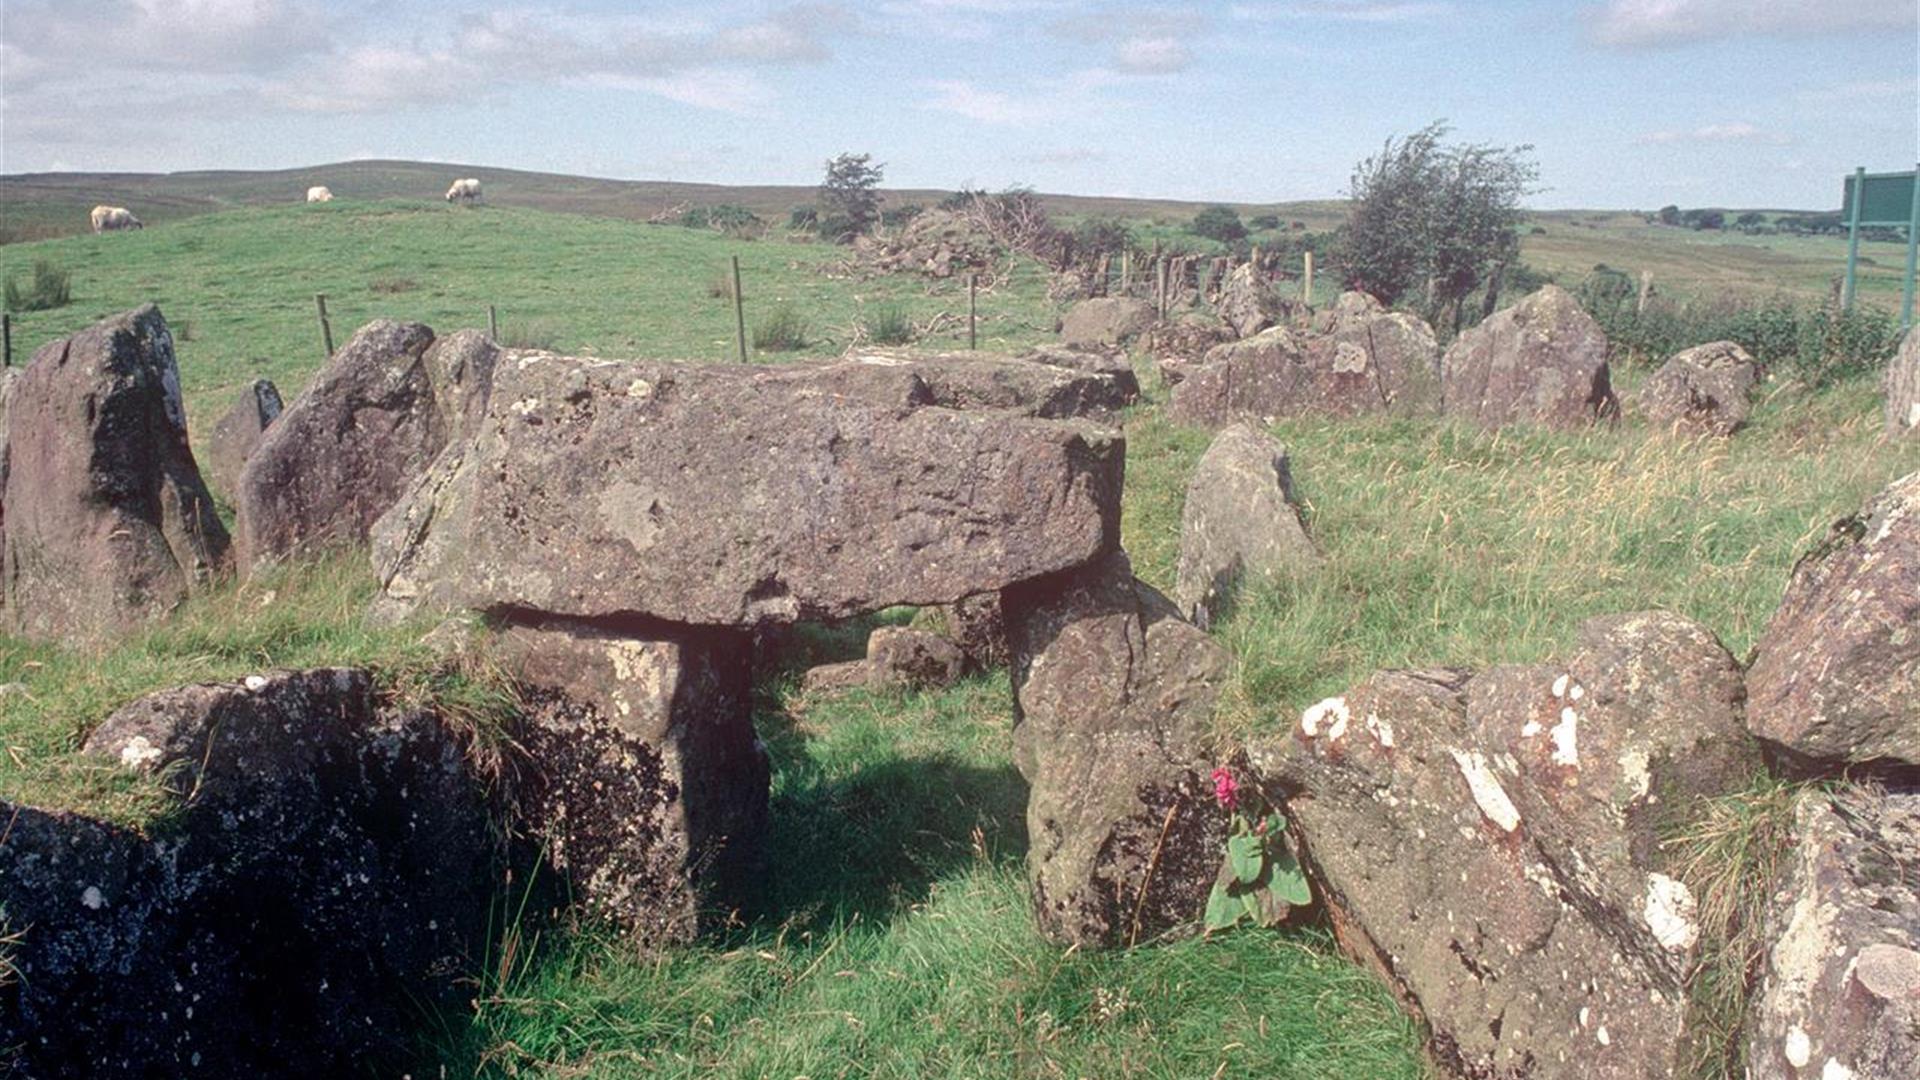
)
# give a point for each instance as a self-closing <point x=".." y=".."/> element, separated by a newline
<point x="1626" y="103"/>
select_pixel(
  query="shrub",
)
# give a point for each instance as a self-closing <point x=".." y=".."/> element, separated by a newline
<point x="782" y="331"/>
<point x="1102" y="236"/>
<point x="723" y="217"/>
<point x="889" y="325"/>
<point x="50" y="289"/>
<point x="1220" y="223"/>
<point x="531" y="334"/>
<point x="1264" y="222"/>
<point x="803" y="217"/>
<point x="894" y="217"/>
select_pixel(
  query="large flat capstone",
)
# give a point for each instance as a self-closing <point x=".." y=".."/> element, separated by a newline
<point x="733" y="495"/>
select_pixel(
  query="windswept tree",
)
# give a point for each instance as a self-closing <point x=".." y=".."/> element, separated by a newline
<point x="850" y="196"/>
<point x="1436" y="222"/>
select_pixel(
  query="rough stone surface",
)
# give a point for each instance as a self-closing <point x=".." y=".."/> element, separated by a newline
<point x="323" y="876"/>
<point x="1517" y="900"/>
<point x="1113" y="696"/>
<point x="1835" y="679"/>
<point x="1542" y="361"/>
<point x="975" y="623"/>
<point x="1247" y="304"/>
<point x="1106" y="321"/>
<point x="1903" y="387"/>
<point x="648" y="787"/>
<point x="1839" y="997"/>
<point x="9" y="380"/>
<point x="1707" y="390"/>
<point x="1364" y="359"/>
<point x="897" y="656"/>
<point x="1241" y="519"/>
<point x="1051" y="382"/>
<point x="729" y="495"/>
<point x="237" y="433"/>
<point x="108" y="523"/>
<point x="367" y="426"/>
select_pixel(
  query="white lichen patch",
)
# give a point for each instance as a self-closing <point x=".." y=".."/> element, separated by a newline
<point x="1560" y="686"/>
<point x="1833" y="1070"/>
<point x="138" y="752"/>
<point x="1566" y="739"/>
<point x="639" y="388"/>
<point x="91" y="899"/>
<point x="1531" y="728"/>
<point x="1670" y="911"/>
<point x="256" y="682"/>
<point x="1797" y="1047"/>
<point x="524" y="406"/>
<point x="1488" y="795"/>
<point x="1381" y="731"/>
<point x="1332" y="714"/>
<point x="1349" y="359"/>
<point x="1635" y="773"/>
<point x="1602" y="1037"/>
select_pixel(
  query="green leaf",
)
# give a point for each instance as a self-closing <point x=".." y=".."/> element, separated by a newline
<point x="1246" y="856"/>
<point x="1223" y="909"/>
<point x="1288" y="881"/>
<point x="1276" y="824"/>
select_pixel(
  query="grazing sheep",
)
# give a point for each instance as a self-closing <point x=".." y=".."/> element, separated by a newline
<point x="319" y="194"/>
<point x="464" y="190"/>
<point x="113" y="219"/>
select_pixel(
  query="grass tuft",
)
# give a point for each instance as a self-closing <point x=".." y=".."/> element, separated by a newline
<point x="889" y="325"/>
<point x="785" y="330"/>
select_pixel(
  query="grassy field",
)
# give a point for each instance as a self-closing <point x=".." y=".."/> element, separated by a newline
<point x="898" y="942"/>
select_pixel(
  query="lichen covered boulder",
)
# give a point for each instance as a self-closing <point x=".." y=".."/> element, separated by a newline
<point x="1542" y="361"/>
<point x="1241" y="519"/>
<point x="1835" y="680"/>
<point x="1247" y="303"/>
<point x="1902" y="387"/>
<point x="729" y="495"/>
<point x="1113" y="695"/>
<point x="108" y="523"/>
<point x="1839" y="996"/>
<point x="1106" y="321"/>
<point x="1705" y="390"/>
<point x="237" y="432"/>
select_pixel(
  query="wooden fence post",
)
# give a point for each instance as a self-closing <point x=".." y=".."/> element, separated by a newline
<point x="1646" y="290"/>
<point x="973" y="311"/>
<point x="6" y="330"/>
<point x="326" y="327"/>
<point x="739" y="311"/>
<point x="1126" y="270"/>
<point x="493" y="325"/>
<point x="1306" y="278"/>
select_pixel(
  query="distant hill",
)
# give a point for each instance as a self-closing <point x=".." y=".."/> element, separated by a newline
<point x="36" y="206"/>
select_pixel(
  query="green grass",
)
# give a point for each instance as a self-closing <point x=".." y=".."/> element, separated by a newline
<point x="898" y="941"/>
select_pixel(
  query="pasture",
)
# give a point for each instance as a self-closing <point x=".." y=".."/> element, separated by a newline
<point x="897" y="941"/>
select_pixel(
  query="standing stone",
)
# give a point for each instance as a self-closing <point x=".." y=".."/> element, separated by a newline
<point x="734" y="495"/>
<point x="367" y="426"/>
<point x="1113" y="696"/>
<point x="238" y="432"/>
<point x="1241" y="520"/>
<point x="1051" y="381"/>
<point x="1840" y="994"/>
<point x="108" y="523"/>
<point x="1247" y="305"/>
<point x="1836" y="676"/>
<point x="1903" y="387"/>
<point x="648" y="787"/>
<point x="9" y="381"/>
<point x="1490" y="844"/>
<point x="974" y="623"/>
<point x="1542" y="361"/>
<point x="1706" y="390"/>
<point x="1106" y="321"/>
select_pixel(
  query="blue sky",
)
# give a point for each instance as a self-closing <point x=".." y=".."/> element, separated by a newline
<point x="1628" y="103"/>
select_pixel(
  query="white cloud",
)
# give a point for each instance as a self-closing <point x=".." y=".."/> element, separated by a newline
<point x="1152" y="56"/>
<point x="1066" y="155"/>
<point x="1738" y="131"/>
<point x="963" y="98"/>
<point x="1641" y="23"/>
<point x="1868" y="90"/>
<point x="211" y="36"/>
<point x="1355" y="11"/>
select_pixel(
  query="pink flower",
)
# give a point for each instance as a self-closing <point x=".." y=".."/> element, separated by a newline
<point x="1224" y="788"/>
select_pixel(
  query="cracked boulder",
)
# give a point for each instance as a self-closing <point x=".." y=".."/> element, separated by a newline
<point x="1113" y="695"/>
<point x="321" y="873"/>
<point x="1247" y="304"/>
<point x="1705" y="390"/>
<point x="366" y="427"/>
<point x="646" y="786"/>
<point x="1364" y="359"/>
<point x="897" y="656"/>
<point x="1488" y="843"/>
<point x="1839" y="997"/>
<point x="236" y="434"/>
<point x="1241" y="520"/>
<point x="733" y="495"/>
<point x="1903" y="387"/>
<point x="108" y="523"/>
<point x="1835" y="680"/>
<point x="1051" y="382"/>
<point x="1542" y="361"/>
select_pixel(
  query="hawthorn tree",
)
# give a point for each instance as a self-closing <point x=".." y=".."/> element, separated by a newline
<point x="1436" y="221"/>
<point x="849" y="199"/>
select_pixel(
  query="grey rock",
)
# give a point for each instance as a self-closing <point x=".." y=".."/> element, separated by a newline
<point x="897" y="656"/>
<point x="1106" y="321"/>
<point x="1835" y="679"/>
<point x="1839" y="996"/>
<point x="237" y="433"/>
<point x="724" y="495"/>
<point x="1114" y="696"/>
<point x="974" y="623"/>
<point x="108" y="524"/>
<point x="1240" y="519"/>
<point x="1903" y="387"/>
<point x="366" y="428"/>
<point x="1542" y="361"/>
<point x="1706" y="390"/>
<point x="1247" y="304"/>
